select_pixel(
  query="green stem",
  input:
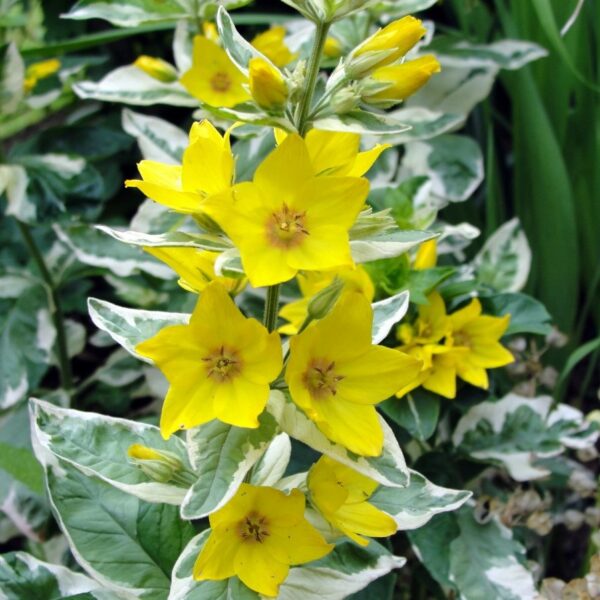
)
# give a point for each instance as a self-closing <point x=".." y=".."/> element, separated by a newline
<point x="64" y="364"/>
<point x="271" y="307"/>
<point x="311" y="78"/>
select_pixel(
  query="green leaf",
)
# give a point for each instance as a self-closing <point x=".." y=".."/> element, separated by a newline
<point x="478" y="561"/>
<point x="158" y="139"/>
<point x="23" y="577"/>
<point x="129" y="545"/>
<point x="505" y="259"/>
<point x="417" y="412"/>
<point x="131" y="326"/>
<point x="454" y="163"/>
<point x="12" y="74"/>
<point x="527" y="315"/>
<point x="400" y="8"/>
<point x="92" y="247"/>
<point x="387" y="245"/>
<point x="272" y="465"/>
<point x="22" y="465"/>
<point x="424" y="124"/>
<point x="130" y="85"/>
<point x="222" y="455"/>
<point x="515" y="431"/>
<point x="388" y="469"/>
<point x="416" y="504"/>
<point x="97" y="446"/>
<point x="386" y="313"/>
<point x="574" y="359"/>
<point x="362" y="122"/>
<point x="127" y="13"/>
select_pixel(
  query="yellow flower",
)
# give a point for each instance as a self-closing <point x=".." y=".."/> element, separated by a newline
<point x="337" y="153"/>
<point x="207" y="169"/>
<point x="196" y="268"/>
<point x="311" y="282"/>
<point x="332" y="48"/>
<point x="431" y="326"/>
<point x="257" y="535"/>
<point x="271" y="43"/>
<point x="156" y="68"/>
<point x="426" y="257"/>
<point x="336" y="375"/>
<point x="478" y="335"/>
<point x="404" y="80"/>
<point x="267" y="85"/>
<point x="287" y="219"/>
<point x="219" y="365"/>
<point x="385" y="46"/>
<point x="213" y="78"/>
<point x="39" y="70"/>
<point x="209" y="30"/>
<point x="340" y="494"/>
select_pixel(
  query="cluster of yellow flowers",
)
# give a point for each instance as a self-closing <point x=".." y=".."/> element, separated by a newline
<point x="292" y="220"/>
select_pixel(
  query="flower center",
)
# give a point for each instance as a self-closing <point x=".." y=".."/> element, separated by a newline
<point x="253" y="528"/>
<point x="223" y="364"/>
<point x="461" y="338"/>
<point x="220" y="82"/>
<point x="286" y="228"/>
<point x="321" y="379"/>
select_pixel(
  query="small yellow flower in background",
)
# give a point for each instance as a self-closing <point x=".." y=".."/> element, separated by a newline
<point x="311" y="282"/>
<point x="196" y="268"/>
<point x="207" y="169"/>
<point x="213" y="78"/>
<point x="404" y="80"/>
<point x="479" y="335"/>
<point x="287" y="219"/>
<point x="157" y="68"/>
<point x="219" y="366"/>
<point x="386" y="46"/>
<point x="431" y="326"/>
<point x="340" y="494"/>
<point x="332" y="48"/>
<point x="39" y="70"/>
<point x="271" y="43"/>
<point x="336" y="375"/>
<point x="267" y="85"/>
<point x="257" y="536"/>
<point x="426" y="257"/>
<point x="334" y="153"/>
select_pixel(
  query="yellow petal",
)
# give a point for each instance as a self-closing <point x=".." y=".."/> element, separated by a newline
<point x="240" y="402"/>
<point x="466" y="314"/>
<point x="441" y="380"/>
<point x="474" y="375"/>
<point x="326" y="247"/>
<point x="365" y="160"/>
<point x="364" y="519"/>
<point x="259" y="570"/>
<point x="332" y="152"/>
<point x="193" y="266"/>
<point x="298" y="544"/>
<point x="216" y="560"/>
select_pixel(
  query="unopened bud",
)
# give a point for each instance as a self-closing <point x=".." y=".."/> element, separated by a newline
<point x="592" y="516"/>
<point x="158" y="465"/>
<point x="267" y="85"/>
<point x="587" y="454"/>
<point x="426" y="255"/>
<point x="157" y="68"/>
<point x="556" y="338"/>
<point x="540" y="522"/>
<point x="332" y="48"/>
<point x="324" y="300"/>
<point x="582" y="483"/>
<point x="401" y="81"/>
<point x="39" y="70"/>
<point x="385" y="46"/>
<point x="345" y="100"/>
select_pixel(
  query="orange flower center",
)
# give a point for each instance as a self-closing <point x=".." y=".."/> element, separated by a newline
<point x="461" y="338"/>
<point x="286" y="228"/>
<point x="321" y="379"/>
<point x="223" y="364"/>
<point x="253" y="528"/>
<point x="220" y="82"/>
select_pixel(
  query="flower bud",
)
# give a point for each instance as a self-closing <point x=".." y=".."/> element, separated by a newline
<point x="426" y="255"/>
<point x="324" y="300"/>
<point x="332" y="48"/>
<point x="157" y="68"/>
<point x="385" y="46"/>
<point x="267" y="85"/>
<point x="345" y="100"/>
<point x="39" y="70"/>
<point x="158" y="465"/>
<point x="402" y="80"/>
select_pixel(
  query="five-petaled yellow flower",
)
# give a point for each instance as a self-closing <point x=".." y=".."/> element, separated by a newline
<point x="271" y="43"/>
<point x="336" y="375"/>
<point x="311" y="282"/>
<point x="195" y="267"/>
<point x="257" y="536"/>
<point x="337" y="153"/>
<point x="207" y="169"/>
<point x="213" y="78"/>
<point x="288" y="219"/>
<point x="340" y="494"/>
<point x="219" y="366"/>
